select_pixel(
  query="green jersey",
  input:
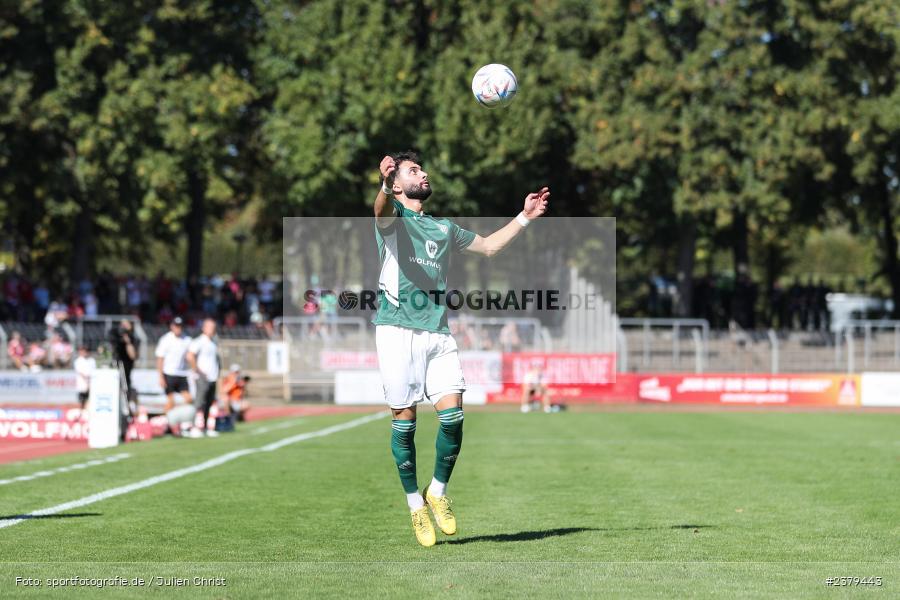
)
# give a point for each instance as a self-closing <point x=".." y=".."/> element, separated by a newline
<point x="415" y="255"/>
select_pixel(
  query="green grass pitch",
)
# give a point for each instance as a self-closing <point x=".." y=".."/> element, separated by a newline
<point x="634" y="504"/>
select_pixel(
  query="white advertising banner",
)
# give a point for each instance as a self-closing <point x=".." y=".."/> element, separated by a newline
<point x="43" y="387"/>
<point x="105" y="413"/>
<point x="358" y="387"/>
<point x="881" y="389"/>
<point x="276" y="358"/>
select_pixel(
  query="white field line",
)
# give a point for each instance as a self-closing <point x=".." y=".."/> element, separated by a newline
<point x="285" y="425"/>
<point x="209" y="464"/>
<point x="84" y="465"/>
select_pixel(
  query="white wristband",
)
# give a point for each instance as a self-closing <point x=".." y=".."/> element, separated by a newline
<point x="387" y="191"/>
<point x="522" y="220"/>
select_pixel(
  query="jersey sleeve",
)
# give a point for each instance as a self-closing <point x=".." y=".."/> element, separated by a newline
<point x="194" y="345"/>
<point x="461" y="238"/>
<point x="163" y="346"/>
<point x="398" y="212"/>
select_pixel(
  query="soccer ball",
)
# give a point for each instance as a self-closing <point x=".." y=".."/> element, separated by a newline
<point x="494" y="85"/>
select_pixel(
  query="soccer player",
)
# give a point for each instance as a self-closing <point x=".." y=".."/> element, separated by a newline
<point x="417" y="356"/>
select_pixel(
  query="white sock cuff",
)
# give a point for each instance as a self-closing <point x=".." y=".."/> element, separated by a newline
<point x="436" y="488"/>
<point x="414" y="501"/>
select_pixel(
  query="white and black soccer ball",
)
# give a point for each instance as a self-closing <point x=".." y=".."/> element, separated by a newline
<point x="494" y="85"/>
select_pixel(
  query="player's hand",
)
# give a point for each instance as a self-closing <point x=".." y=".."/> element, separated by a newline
<point x="536" y="203"/>
<point x="388" y="170"/>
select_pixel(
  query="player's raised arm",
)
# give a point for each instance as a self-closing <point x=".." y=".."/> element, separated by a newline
<point x="535" y="206"/>
<point x="384" y="208"/>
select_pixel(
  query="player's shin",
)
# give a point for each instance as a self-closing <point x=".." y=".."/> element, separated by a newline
<point x="403" y="446"/>
<point x="449" y="441"/>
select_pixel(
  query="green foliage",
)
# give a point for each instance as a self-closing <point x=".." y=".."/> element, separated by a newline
<point x="122" y="123"/>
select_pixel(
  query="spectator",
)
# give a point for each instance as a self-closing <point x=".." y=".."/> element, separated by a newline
<point x="231" y="319"/>
<point x="59" y="351"/>
<point x="164" y="289"/>
<point x="534" y="390"/>
<point x="41" y="300"/>
<point x="132" y="295"/>
<point x="16" y="351"/>
<point x="233" y="388"/>
<point x="310" y="307"/>
<point x="208" y="300"/>
<point x="75" y="310"/>
<point x="820" y="306"/>
<point x="509" y="337"/>
<point x="11" y="294"/>
<point x="90" y="305"/>
<point x="85" y="365"/>
<point x="171" y="364"/>
<point x="56" y="313"/>
<point x="267" y="294"/>
<point x="26" y="299"/>
<point x="203" y="357"/>
<point x="36" y="357"/>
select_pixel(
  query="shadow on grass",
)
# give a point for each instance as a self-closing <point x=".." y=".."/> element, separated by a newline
<point x="529" y="536"/>
<point x="62" y="516"/>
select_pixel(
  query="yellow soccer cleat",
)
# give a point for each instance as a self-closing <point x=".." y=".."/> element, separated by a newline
<point x="422" y="526"/>
<point x="443" y="514"/>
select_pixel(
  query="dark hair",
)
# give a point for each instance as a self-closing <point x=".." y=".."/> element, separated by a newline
<point x="409" y="155"/>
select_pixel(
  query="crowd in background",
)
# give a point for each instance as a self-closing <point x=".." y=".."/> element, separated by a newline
<point x="231" y="301"/>
<point x="723" y="300"/>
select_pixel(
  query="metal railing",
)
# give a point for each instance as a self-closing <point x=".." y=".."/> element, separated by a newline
<point x="330" y="331"/>
<point x="874" y="354"/>
<point x="699" y="333"/>
<point x="540" y="337"/>
<point x="773" y="344"/>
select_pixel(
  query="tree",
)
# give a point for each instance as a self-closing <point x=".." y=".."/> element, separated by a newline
<point x="692" y="120"/>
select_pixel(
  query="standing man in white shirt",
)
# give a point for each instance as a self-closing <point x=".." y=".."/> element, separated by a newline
<point x="203" y="357"/>
<point x="171" y="363"/>
<point x="84" y="368"/>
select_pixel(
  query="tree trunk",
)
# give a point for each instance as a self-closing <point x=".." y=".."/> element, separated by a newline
<point x="891" y="266"/>
<point x="196" y="222"/>
<point x="82" y="244"/>
<point x="687" y="246"/>
<point x="740" y="244"/>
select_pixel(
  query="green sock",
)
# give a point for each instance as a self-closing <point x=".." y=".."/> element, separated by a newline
<point x="403" y="446"/>
<point x="449" y="441"/>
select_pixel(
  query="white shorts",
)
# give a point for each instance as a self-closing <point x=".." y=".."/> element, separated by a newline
<point x="416" y="365"/>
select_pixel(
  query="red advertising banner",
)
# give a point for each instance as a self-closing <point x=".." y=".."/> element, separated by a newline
<point x="561" y="368"/>
<point x="344" y="360"/>
<point x="814" y="389"/>
<point x="43" y="429"/>
<point x="623" y="390"/>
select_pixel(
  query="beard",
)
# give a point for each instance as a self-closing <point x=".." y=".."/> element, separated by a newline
<point x="417" y="192"/>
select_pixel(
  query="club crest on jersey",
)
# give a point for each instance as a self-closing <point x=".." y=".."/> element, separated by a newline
<point x="442" y="227"/>
<point x="431" y="248"/>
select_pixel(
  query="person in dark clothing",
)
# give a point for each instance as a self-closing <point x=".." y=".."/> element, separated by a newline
<point x="125" y="347"/>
